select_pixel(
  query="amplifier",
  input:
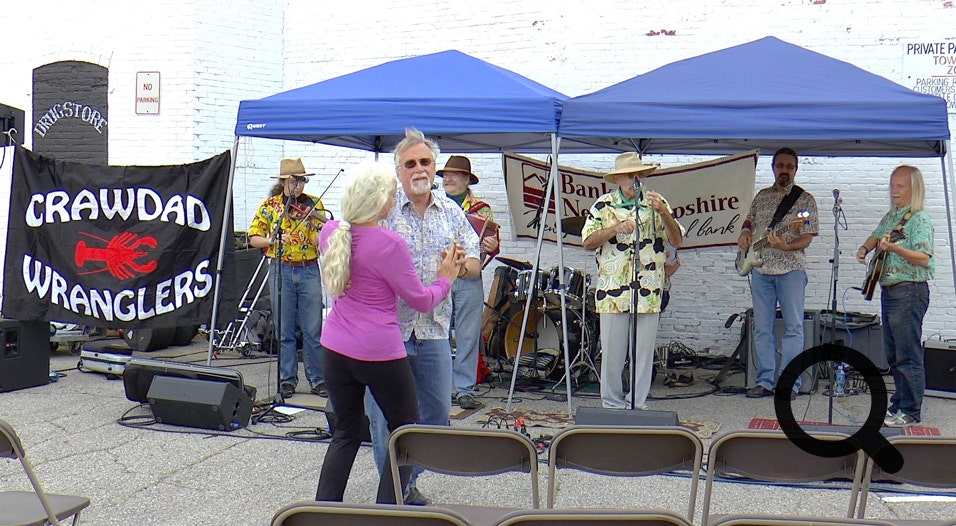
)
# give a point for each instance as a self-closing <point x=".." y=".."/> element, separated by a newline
<point x="858" y="331"/>
<point x="940" y="365"/>
<point x="808" y="378"/>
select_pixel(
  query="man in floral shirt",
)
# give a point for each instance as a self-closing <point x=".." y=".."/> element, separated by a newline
<point x="610" y="231"/>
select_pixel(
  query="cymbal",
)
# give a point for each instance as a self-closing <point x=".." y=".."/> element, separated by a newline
<point x="515" y="263"/>
<point x="573" y="225"/>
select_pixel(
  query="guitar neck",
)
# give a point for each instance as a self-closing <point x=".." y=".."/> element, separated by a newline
<point x="763" y="242"/>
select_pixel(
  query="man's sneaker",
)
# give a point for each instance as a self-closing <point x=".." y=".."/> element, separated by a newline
<point x="287" y="390"/>
<point x="890" y="413"/>
<point x="415" y="497"/>
<point x="900" y="420"/>
<point x="321" y="389"/>
<point x="466" y="401"/>
<point x="759" y="392"/>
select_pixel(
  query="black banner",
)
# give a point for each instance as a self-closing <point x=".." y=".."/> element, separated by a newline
<point x="114" y="246"/>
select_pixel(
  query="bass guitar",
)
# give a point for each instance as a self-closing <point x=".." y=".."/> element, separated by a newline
<point x="750" y="258"/>
<point x="877" y="266"/>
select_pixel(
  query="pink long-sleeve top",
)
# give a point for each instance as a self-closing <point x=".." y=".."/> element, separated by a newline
<point x="363" y="323"/>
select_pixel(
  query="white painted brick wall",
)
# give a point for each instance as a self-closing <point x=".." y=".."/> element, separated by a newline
<point x="214" y="53"/>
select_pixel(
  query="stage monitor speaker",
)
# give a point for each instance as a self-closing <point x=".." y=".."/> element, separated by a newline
<point x="24" y="354"/>
<point x="808" y="378"/>
<point x="599" y="416"/>
<point x="199" y="403"/>
<point x="149" y="339"/>
<point x="940" y="364"/>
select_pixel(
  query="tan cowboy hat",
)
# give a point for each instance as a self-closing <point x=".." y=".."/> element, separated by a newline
<point x="458" y="163"/>
<point x="630" y="163"/>
<point x="291" y="168"/>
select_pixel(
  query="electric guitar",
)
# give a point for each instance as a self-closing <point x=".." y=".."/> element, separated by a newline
<point x="750" y="258"/>
<point x="877" y="266"/>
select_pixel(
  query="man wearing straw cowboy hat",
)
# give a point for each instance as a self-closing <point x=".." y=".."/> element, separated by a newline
<point x="610" y="230"/>
<point x="287" y="226"/>
<point x="467" y="294"/>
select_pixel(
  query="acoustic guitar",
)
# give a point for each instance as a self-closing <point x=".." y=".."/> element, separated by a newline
<point x="750" y="258"/>
<point x="877" y="266"/>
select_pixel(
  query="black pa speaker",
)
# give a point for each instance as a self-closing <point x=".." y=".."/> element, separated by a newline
<point x="599" y="416"/>
<point x="24" y="354"/>
<point x="199" y="403"/>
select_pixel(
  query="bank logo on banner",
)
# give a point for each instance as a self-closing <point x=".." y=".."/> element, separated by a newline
<point x="710" y="198"/>
<point x="113" y="246"/>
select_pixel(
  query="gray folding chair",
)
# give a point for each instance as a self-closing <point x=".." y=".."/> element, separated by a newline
<point x="756" y="520"/>
<point x="627" y="452"/>
<point x="769" y="456"/>
<point x="604" y="517"/>
<point x="465" y="452"/>
<point x="929" y="462"/>
<point x="312" y="513"/>
<point x="32" y="508"/>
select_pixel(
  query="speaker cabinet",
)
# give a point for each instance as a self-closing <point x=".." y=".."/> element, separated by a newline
<point x="858" y="331"/>
<point x="808" y="377"/>
<point x="24" y="354"/>
<point x="599" y="416"/>
<point x="198" y="403"/>
<point x="149" y="339"/>
<point x="940" y="364"/>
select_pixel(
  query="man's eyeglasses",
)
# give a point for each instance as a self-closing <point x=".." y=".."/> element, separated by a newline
<point x="781" y="166"/>
<point x="425" y="162"/>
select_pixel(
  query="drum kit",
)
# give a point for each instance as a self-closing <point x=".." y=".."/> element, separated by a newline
<point x="542" y="350"/>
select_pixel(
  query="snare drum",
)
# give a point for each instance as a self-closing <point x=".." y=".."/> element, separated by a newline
<point x="576" y="284"/>
<point x="523" y="283"/>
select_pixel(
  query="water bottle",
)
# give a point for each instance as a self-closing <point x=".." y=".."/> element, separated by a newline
<point x="840" y="388"/>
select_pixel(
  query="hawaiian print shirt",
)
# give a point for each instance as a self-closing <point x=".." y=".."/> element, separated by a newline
<point x="302" y="231"/>
<point x="614" y="258"/>
<point x="779" y="262"/>
<point x="917" y="235"/>
<point x="426" y="237"/>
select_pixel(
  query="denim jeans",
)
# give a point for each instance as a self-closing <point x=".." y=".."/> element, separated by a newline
<point x="431" y="365"/>
<point x="467" y="297"/>
<point x="904" y="306"/>
<point x="789" y="292"/>
<point x="301" y="297"/>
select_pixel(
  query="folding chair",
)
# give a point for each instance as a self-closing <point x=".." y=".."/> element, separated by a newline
<point x="769" y="456"/>
<point x="605" y="517"/>
<point x="756" y="520"/>
<point x="312" y="513"/>
<point x="626" y="452"/>
<point x="465" y="452"/>
<point x="32" y="508"/>
<point x="927" y="462"/>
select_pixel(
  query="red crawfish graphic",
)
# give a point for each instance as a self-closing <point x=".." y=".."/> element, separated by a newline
<point x="120" y="254"/>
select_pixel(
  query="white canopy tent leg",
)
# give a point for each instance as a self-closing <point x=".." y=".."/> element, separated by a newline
<point x="222" y="246"/>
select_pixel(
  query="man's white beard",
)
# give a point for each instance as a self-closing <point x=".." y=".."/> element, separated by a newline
<point x="421" y="186"/>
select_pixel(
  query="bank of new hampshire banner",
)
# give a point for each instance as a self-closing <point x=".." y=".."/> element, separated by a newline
<point x="113" y="246"/>
<point x="709" y="198"/>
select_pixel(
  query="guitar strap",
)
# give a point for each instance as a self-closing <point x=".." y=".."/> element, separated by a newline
<point x="785" y="205"/>
<point x="906" y="217"/>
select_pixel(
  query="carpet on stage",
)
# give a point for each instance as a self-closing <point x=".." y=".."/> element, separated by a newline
<point x="770" y="423"/>
<point x="498" y="417"/>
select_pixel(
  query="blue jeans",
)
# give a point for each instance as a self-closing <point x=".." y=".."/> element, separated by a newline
<point x="431" y="365"/>
<point x="904" y="306"/>
<point x="467" y="297"/>
<point x="301" y="298"/>
<point x="789" y="292"/>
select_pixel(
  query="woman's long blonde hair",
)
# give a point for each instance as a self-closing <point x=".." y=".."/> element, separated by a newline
<point x="367" y="191"/>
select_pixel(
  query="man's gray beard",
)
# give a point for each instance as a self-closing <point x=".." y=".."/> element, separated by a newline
<point x="420" y="187"/>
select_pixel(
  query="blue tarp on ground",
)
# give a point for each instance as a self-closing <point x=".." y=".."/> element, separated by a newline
<point x="466" y="104"/>
<point x="760" y="95"/>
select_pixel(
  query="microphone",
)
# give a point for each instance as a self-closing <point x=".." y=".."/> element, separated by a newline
<point x="638" y="190"/>
<point x="836" y="194"/>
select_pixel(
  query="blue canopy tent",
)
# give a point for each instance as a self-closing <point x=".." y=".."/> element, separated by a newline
<point x="761" y="95"/>
<point x="465" y="104"/>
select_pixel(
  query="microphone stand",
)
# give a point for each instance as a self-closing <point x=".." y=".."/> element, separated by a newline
<point x="635" y="285"/>
<point x="835" y="274"/>
<point x="277" y="242"/>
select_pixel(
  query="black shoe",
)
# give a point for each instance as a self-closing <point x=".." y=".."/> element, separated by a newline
<point x="287" y="390"/>
<point x="759" y="392"/>
<point x="414" y="497"/>
<point x="321" y="389"/>
<point x="466" y="401"/>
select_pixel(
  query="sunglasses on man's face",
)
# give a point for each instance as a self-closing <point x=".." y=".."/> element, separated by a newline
<point x="424" y="162"/>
